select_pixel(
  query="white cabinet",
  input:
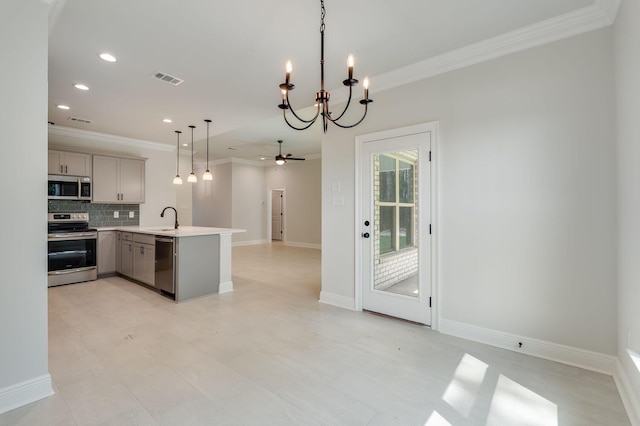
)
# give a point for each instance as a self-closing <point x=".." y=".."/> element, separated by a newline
<point x="118" y="180"/>
<point x="138" y="257"/>
<point x="126" y="254"/>
<point x="106" y="252"/>
<point x="144" y="258"/>
<point x="69" y="163"/>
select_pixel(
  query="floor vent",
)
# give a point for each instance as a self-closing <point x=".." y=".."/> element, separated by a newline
<point x="167" y="78"/>
<point x="79" y="120"/>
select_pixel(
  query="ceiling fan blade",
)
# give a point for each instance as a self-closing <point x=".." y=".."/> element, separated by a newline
<point x="293" y="158"/>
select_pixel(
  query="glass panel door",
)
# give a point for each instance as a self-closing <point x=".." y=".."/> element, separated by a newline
<point x="396" y="206"/>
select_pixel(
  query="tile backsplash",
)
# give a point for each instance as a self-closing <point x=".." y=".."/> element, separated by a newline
<point x="100" y="215"/>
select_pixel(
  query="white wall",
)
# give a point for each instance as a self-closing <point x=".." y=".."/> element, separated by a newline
<point x="302" y="210"/>
<point x="23" y="176"/>
<point x="212" y="199"/>
<point x="627" y="40"/>
<point x="248" y="202"/>
<point x="526" y="185"/>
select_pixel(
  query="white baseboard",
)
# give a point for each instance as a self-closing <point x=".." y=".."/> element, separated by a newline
<point x="337" y="300"/>
<point x="24" y="393"/>
<point x="303" y="245"/>
<point x="248" y="243"/>
<point x="630" y="400"/>
<point x="225" y="287"/>
<point x="582" y="358"/>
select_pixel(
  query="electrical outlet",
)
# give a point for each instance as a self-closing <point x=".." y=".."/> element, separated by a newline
<point x="132" y="215"/>
<point x="116" y="215"/>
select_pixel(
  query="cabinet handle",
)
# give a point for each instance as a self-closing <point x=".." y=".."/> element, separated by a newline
<point x="66" y="169"/>
<point x="61" y="168"/>
<point x="141" y="250"/>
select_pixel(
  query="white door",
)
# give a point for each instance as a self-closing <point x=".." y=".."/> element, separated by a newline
<point x="277" y="215"/>
<point x="395" y="226"/>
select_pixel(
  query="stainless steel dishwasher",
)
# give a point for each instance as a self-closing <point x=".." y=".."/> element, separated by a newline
<point x="165" y="265"/>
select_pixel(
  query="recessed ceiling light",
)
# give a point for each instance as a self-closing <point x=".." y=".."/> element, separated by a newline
<point x="81" y="86"/>
<point x="62" y="106"/>
<point x="107" y="57"/>
<point x="262" y="158"/>
<point x="185" y="144"/>
<point x="167" y="120"/>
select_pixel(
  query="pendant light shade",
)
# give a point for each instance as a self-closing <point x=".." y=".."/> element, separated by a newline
<point x="207" y="175"/>
<point x="177" y="180"/>
<point x="192" y="176"/>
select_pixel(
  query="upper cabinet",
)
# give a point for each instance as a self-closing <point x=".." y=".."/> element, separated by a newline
<point x="69" y="163"/>
<point x="118" y="180"/>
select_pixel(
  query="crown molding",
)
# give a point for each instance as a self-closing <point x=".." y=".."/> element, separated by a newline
<point x="72" y="133"/>
<point x="55" y="8"/>
<point x="600" y="14"/>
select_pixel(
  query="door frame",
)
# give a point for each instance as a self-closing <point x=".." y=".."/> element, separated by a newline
<point x="431" y="127"/>
<point x="284" y="211"/>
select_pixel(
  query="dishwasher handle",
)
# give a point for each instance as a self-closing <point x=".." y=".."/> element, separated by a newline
<point x="164" y="239"/>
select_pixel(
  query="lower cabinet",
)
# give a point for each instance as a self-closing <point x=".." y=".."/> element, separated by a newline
<point x="137" y="256"/>
<point x="144" y="261"/>
<point x="126" y="254"/>
<point x="106" y="252"/>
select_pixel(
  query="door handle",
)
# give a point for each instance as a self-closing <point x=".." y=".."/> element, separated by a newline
<point x="365" y="235"/>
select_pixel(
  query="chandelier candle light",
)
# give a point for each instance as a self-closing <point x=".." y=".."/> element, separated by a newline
<point x="207" y="175"/>
<point x="177" y="180"/>
<point x="192" y="176"/>
<point x="322" y="97"/>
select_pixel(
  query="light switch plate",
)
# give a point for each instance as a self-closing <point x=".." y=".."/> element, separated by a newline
<point x="132" y="215"/>
<point x="116" y="215"/>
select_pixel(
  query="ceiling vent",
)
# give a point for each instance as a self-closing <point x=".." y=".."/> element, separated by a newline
<point x="167" y="78"/>
<point x="79" y="120"/>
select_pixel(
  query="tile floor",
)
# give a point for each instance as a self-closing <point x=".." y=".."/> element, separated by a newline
<point x="270" y="354"/>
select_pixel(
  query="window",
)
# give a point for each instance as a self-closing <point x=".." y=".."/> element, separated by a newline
<point x="395" y="201"/>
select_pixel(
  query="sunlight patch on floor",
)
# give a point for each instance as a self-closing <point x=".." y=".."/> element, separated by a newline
<point x="462" y="392"/>
<point x="515" y="404"/>
<point x="435" y="419"/>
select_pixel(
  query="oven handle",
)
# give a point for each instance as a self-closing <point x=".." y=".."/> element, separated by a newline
<point x="72" y="236"/>
<point x="70" y="271"/>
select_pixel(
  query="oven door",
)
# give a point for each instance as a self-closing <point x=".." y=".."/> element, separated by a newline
<point x="72" y="251"/>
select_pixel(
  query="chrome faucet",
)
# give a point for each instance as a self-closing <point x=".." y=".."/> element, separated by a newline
<point x="175" y="211"/>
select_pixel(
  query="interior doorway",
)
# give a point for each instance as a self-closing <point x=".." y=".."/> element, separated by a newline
<point x="277" y="215"/>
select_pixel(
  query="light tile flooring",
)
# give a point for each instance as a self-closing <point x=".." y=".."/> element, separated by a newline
<point x="270" y="354"/>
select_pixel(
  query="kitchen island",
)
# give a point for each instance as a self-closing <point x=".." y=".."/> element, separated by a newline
<point x="201" y="263"/>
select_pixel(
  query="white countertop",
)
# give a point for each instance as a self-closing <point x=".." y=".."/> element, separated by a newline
<point x="168" y="231"/>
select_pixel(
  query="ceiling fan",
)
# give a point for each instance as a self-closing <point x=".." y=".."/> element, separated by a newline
<point x="281" y="159"/>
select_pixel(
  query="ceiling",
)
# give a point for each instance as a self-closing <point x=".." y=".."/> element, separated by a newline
<point x="231" y="56"/>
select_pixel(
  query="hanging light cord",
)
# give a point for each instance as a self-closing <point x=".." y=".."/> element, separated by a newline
<point x="192" y="127"/>
<point x="208" y="121"/>
<point x="178" y="153"/>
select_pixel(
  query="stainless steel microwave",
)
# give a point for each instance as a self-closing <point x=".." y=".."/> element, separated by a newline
<point x="69" y="187"/>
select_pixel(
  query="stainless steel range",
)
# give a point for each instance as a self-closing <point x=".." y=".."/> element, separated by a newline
<point x="72" y="249"/>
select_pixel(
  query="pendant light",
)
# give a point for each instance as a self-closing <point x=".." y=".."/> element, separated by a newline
<point x="207" y="175"/>
<point x="177" y="180"/>
<point x="192" y="177"/>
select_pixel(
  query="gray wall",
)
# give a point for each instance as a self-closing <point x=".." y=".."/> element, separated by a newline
<point x="526" y="188"/>
<point x="248" y="206"/>
<point x="627" y="40"/>
<point x="23" y="177"/>
<point x="212" y="199"/>
<point x="303" y="200"/>
<point x="238" y="198"/>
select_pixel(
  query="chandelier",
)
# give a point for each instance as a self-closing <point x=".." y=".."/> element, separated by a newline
<point x="322" y="97"/>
